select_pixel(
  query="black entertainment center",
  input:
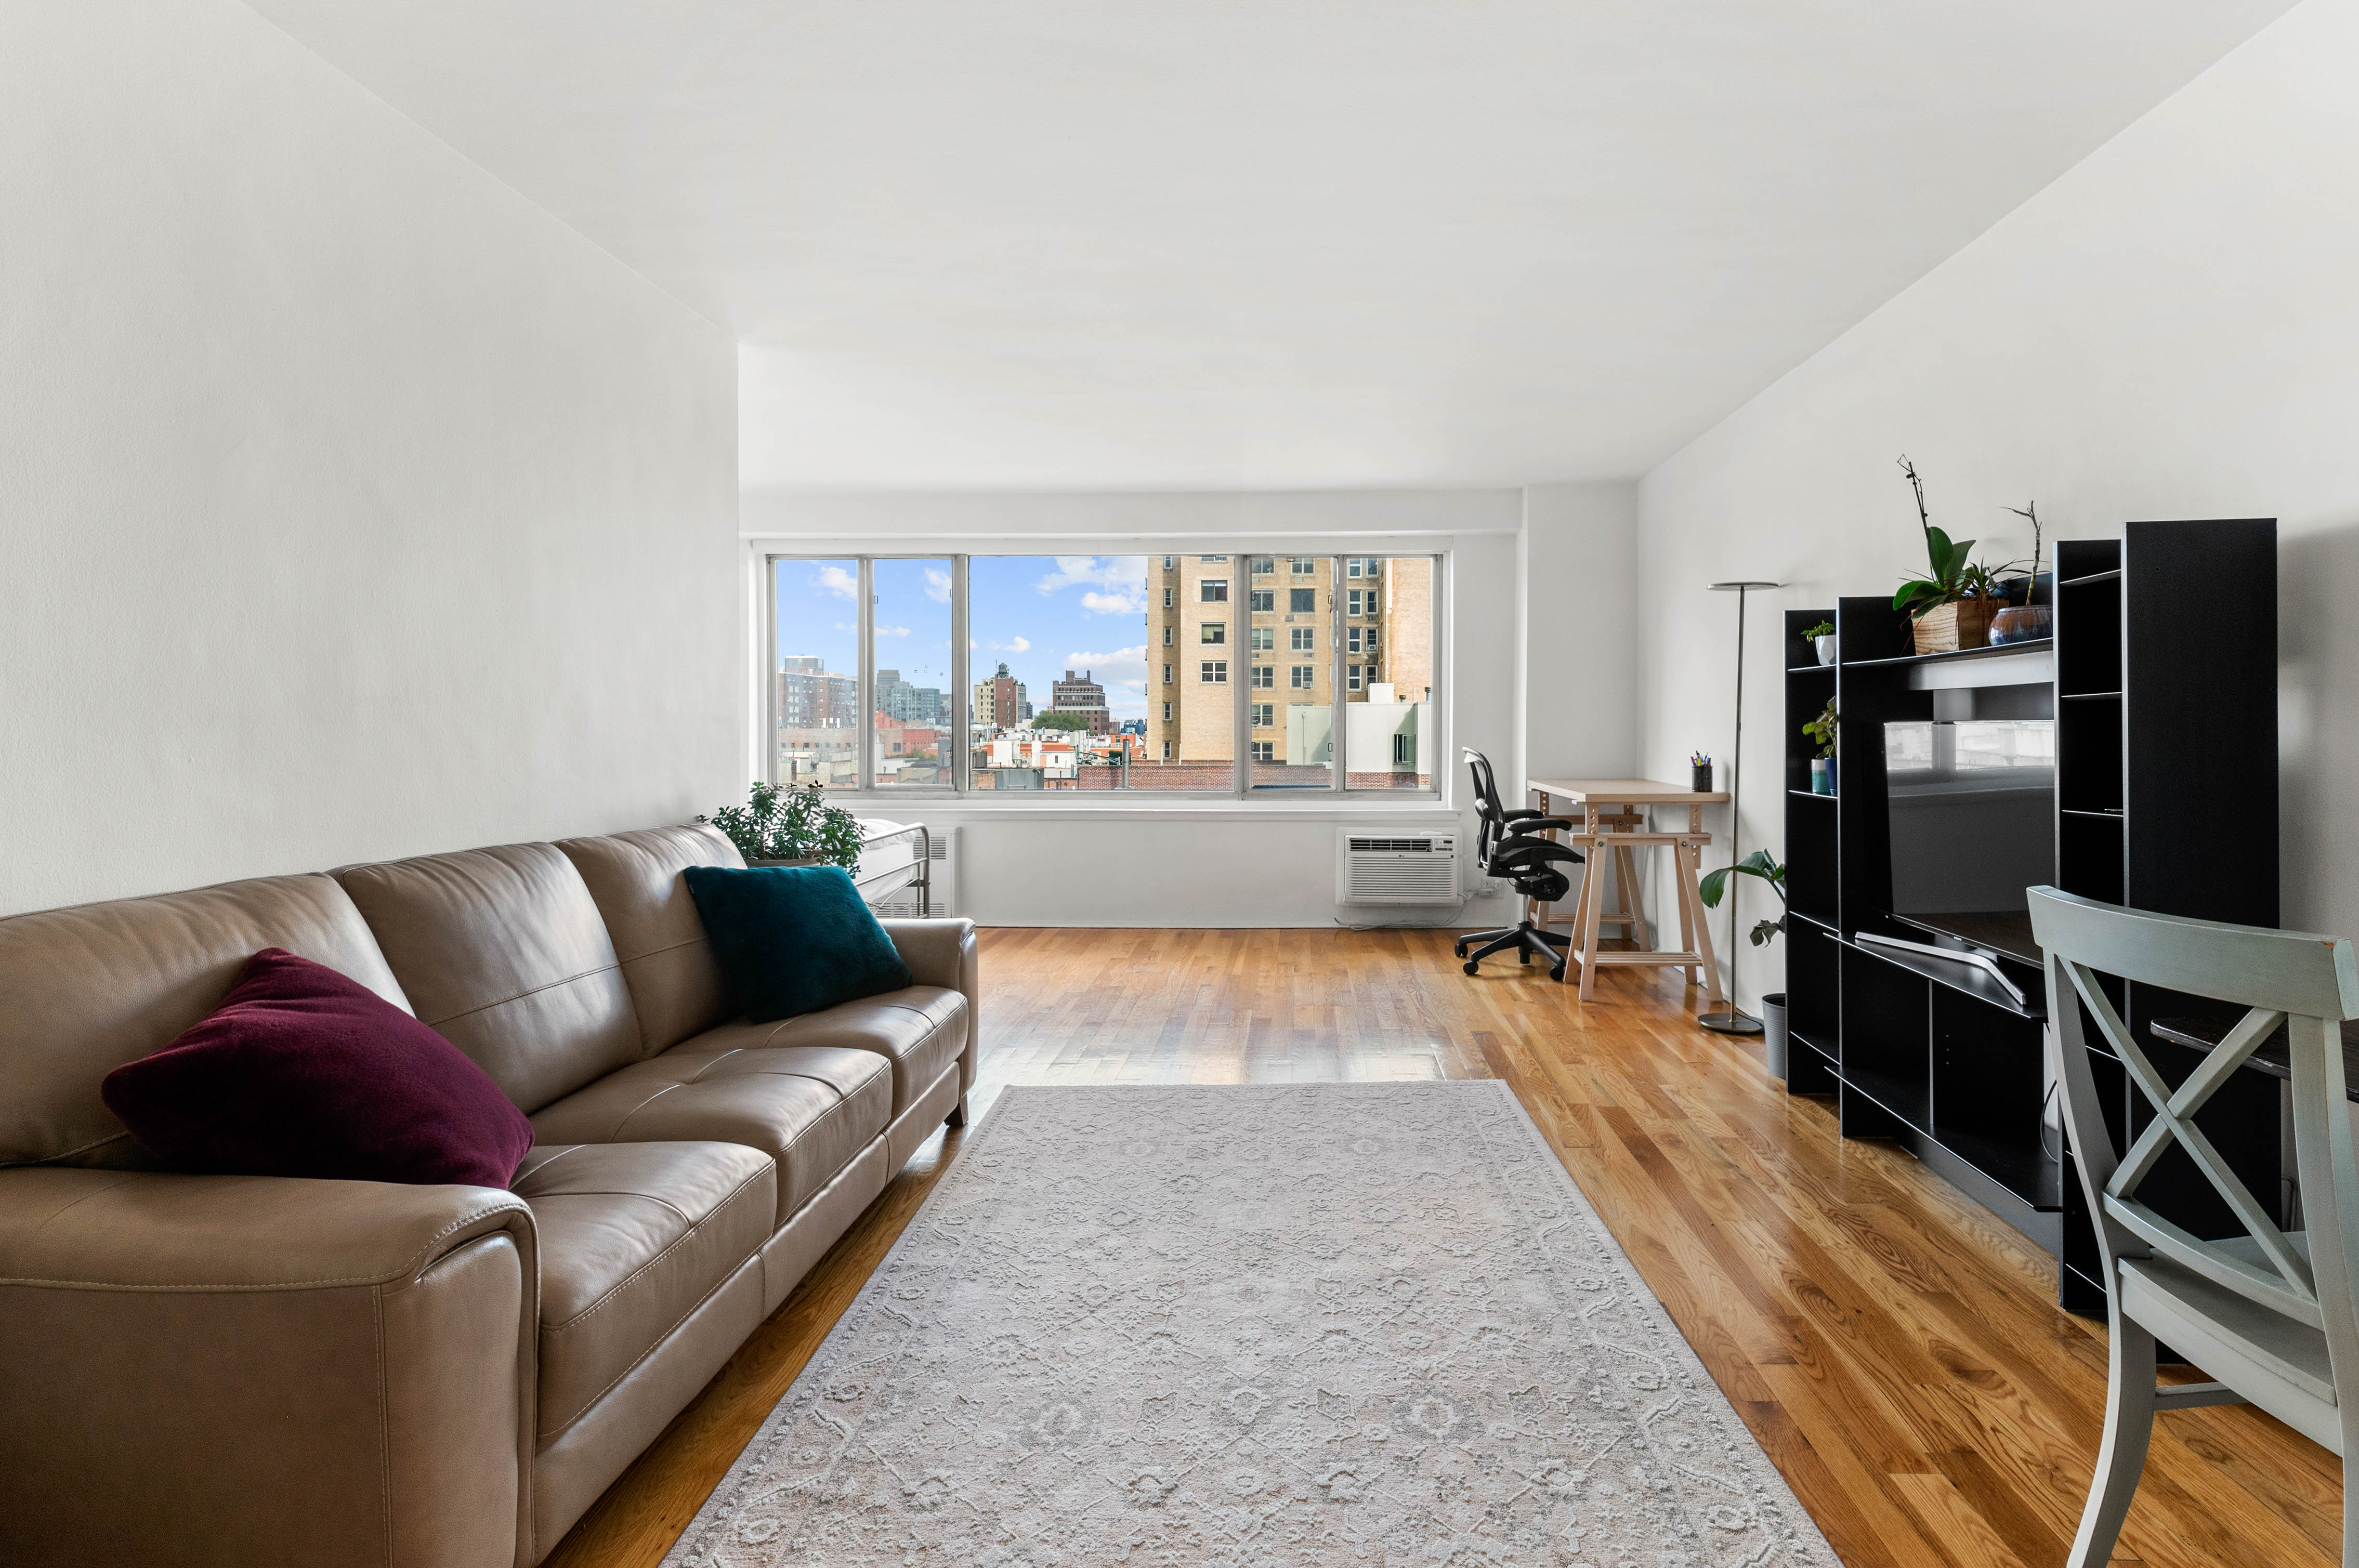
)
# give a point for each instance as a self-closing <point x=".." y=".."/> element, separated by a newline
<point x="2131" y="757"/>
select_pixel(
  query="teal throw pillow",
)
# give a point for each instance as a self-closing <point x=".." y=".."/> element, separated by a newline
<point x="794" y="939"/>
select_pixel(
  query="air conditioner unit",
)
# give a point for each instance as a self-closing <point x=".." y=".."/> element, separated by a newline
<point x="942" y="865"/>
<point x="1396" y="868"/>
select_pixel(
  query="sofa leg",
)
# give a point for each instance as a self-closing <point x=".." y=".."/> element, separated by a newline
<point x="957" y="1118"/>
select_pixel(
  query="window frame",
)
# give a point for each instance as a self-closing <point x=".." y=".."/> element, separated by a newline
<point x="768" y="554"/>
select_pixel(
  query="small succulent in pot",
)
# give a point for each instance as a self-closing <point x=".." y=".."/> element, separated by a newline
<point x="1821" y="637"/>
<point x="781" y="822"/>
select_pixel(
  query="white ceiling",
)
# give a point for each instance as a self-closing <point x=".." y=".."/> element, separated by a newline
<point x="1138" y="244"/>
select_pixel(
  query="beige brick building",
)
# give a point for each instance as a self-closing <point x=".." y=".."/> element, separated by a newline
<point x="1269" y="622"/>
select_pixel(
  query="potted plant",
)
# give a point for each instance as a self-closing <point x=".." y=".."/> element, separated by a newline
<point x="1822" y="638"/>
<point x="1822" y="730"/>
<point x="1773" y="1003"/>
<point x="1952" y="605"/>
<point x="780" y="825"/>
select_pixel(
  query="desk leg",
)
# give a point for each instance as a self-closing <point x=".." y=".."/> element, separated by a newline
<point x="1688" y="907"/>
<point x="1593" y="905"/>
<point x="1629" y="900"/>
<point x="1692" y="868"/>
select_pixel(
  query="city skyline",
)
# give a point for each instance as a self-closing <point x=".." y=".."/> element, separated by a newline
<point x="1039" y="614"/>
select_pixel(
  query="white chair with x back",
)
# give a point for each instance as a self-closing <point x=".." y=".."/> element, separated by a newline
<point x="2269" y="1314"/>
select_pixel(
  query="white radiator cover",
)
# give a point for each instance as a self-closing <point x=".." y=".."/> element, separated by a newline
<point x="903" y="905"/>
<point x="1395" y="868"/>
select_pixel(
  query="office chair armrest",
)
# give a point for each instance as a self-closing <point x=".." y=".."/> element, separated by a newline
<point x="1536" y="823"/>
<point x="1518" y="815"/>
<point x="1514" y="852"/>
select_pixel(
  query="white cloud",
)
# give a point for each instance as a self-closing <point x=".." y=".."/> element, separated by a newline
<point x="1020" y="645"/>
<point x="938" y="585"/>
<point x="1123" y="667"/>
<point x="1130" y="600"/>
<point x="892" y="631"/>
<point x="1123" y="573"/>
<point x="839" y="582"/>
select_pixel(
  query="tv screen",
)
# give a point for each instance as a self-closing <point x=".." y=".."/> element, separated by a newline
<point x="1973" y="821"/>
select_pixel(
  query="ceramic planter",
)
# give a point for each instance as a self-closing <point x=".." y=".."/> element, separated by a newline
<point x="1826" y="647"/>
<point x="1822" y="775"/>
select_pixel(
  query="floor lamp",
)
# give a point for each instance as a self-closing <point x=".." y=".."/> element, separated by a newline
<point x="1734" y="1020"/>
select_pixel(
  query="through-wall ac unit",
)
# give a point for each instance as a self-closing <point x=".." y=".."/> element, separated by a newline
<point x="1395" y="868"/>
<point x="943" y="865"/>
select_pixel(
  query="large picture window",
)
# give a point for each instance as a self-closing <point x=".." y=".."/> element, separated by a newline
<point x="965" y="674"/>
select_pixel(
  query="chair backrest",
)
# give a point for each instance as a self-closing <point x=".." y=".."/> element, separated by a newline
<point x="2304" y="981"/>
<point x="1487" y="809"/>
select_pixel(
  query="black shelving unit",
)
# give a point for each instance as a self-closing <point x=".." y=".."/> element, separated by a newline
<point x="2161" y="678"/>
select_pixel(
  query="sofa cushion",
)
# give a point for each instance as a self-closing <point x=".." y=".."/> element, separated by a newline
<point x="502" y="951"/>
<point x="794" y="939"/>
<point x="919" y="1029"/>
<point x="667" y="957"/>
<point x="633" y="1237"/>
<point x="301" y="1072"/>
<point x="92" y="988"/>
<point x="810" y="1109"/>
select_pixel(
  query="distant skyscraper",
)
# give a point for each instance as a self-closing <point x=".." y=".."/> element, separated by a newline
<point x="1086" y="698"/>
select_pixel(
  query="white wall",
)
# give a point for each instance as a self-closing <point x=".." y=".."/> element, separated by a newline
<point x="351" y="505"/>
<point x="1580" y="631"/>
<point x="2171" y="329"/>
<point x="1221" y="863"/>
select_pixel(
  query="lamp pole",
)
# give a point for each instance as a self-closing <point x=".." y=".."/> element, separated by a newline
<point x="1732" y="1019"/>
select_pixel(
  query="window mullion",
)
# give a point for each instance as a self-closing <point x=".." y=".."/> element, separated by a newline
<point x="864" y="733"/>
<point x="1340" y="776"/>
<point x="1241" y="666"/>
<point x="960" y="739"/>
<point x="773" y="707"/>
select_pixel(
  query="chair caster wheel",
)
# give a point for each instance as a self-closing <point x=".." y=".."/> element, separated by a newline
<point x="1557" y="973"/>
<point x="1473" y="968"/>
<point x="1458" y="948"/>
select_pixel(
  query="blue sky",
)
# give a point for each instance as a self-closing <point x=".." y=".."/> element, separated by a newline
<point x="1039" y="614"/>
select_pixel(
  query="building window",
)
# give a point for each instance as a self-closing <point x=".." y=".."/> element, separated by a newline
<point x="1212" y="632"/>
<point x="1361" y="601"/>
<point x="1212" y="591"/>
<point x="1351" y="678"/>
<point x="1263" y="600"/>
<point x="1372" y="639"/>
<point x="1302" y="678"/>
<point x="1170" y="563"/>
<point x="1264" y="715"/>
<point x="1166" y="637"/>
<point x="1166" y="713"/>
<point x="1264" y="638"/>
<point x="1304" y="639"/>
<point x="1302" y="600"/>
<point x="1350" y="639"/>
<point x="1213" y="560"/>
<point x="1265" y="678"/>
<point x="1166" y="596"/>
<point x="1167" y="674"/>
<point x="1167" y="750"/>
<point x="1215" y="671"/>
<point x="1372" y="675"/>
<point x="1263" y="565"/>
<point x="1305" y="565"/>
<point x="1265" y="750"/>
<point x="1352" y="567"/>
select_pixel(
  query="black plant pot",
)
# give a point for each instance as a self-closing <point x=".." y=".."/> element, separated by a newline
<point x="1773" y="1032"/>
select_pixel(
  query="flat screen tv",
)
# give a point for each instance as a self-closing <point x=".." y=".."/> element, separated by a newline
<point x="1972" y="820"/>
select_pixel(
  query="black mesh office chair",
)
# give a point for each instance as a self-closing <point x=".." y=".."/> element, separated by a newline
<point x="1508" y="847"/>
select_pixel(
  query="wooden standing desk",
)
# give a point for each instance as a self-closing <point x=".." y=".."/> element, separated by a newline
<point x="1612" y="814"/>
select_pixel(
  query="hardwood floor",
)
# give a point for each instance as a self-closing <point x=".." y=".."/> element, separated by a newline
<point x="1892" y="1345"/>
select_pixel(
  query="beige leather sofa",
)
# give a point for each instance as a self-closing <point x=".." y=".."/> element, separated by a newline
<point x="257" y="1370"/>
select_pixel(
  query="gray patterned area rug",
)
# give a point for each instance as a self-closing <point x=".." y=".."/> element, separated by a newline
<point x="1373" y="1324"/>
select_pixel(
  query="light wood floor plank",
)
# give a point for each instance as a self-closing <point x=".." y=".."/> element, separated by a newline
<point x="1894" y="1345"/>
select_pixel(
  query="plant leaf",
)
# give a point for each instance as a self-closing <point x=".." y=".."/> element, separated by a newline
<point x="1710" y="885"/>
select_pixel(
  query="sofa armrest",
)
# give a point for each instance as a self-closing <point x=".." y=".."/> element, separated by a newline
<point x="220" y="1369"/>
<point x="943" y="953"/>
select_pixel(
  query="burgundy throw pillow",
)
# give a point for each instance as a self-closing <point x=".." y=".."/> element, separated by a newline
<point x="303" y="1072"/>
